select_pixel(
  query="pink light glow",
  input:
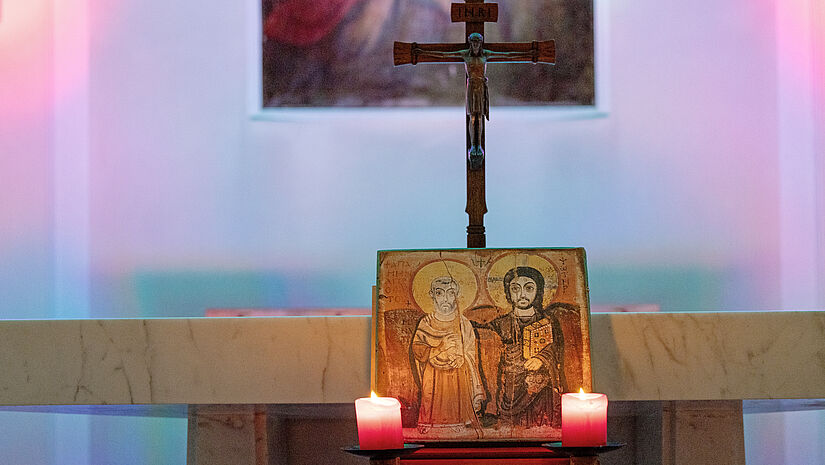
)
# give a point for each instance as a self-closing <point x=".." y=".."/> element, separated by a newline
<point x="25" y="68"/>
<point x="797" y="30"/>
<point x="25" y="119"/>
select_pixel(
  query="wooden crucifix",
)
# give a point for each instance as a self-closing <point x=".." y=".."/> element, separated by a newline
<point x="475" y="54"/>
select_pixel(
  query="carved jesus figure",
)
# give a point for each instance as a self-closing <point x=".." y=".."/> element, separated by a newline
<point x="477" y="100"/>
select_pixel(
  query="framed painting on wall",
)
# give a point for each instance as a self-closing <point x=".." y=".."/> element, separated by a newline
<point x="479" y="344"/>
<point x="338" y="53"/>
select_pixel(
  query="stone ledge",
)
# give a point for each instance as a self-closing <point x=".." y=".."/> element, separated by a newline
<point x="305" y="360"/>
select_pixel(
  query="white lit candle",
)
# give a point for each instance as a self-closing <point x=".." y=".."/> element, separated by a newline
<point x="583" y="419"/>
<point x="379" y="423"/>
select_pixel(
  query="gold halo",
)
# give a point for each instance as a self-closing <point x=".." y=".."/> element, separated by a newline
<point x="461" y="273"/>
<point x="495" y="278"/>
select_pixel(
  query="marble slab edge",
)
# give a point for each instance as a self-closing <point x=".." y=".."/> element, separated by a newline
<point x="307" y="360"/>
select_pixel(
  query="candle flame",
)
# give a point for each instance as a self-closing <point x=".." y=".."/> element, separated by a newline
<point x="373" y="395"/>
<point x="581" y="390"/>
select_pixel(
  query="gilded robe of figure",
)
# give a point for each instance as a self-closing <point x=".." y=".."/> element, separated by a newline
<point x="447" y="366"/>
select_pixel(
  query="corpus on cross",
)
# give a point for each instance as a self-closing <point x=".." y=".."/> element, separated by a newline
<point x="475" y="54"/>
<point x="475" y="59"/>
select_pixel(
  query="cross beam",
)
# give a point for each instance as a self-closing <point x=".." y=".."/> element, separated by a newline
<point x="410" y="53"/>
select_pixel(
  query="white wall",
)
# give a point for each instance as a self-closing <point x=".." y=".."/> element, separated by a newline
<point x="181" y="201"/>
<point x="677" y="185"/>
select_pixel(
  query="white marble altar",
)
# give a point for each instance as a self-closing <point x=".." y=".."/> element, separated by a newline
<point x="676" y="381"/>
<point x="636" y="356"/>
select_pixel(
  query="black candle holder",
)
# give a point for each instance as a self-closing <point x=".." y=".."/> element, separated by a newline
<point x="383" y="456"/>
<point x="584" y="455"/>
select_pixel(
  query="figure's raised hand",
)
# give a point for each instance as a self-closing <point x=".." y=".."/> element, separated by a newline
<point x="451" y="342"/>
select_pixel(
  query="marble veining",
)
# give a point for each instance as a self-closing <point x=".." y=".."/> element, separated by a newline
<point x="737" y="355"/>
<point x="641" y="356"/>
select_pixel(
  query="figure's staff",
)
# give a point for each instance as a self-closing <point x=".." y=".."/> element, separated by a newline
<point x="475" y="55"/>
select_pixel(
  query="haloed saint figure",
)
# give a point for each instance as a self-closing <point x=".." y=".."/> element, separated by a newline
<point x="444" y="353"/>
<point x="531" y="375"/>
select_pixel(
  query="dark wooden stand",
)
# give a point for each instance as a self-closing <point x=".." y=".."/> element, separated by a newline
<point x="526" y="454"/>
<point x="584" y="460"/>
<point x="395" y="461"/>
